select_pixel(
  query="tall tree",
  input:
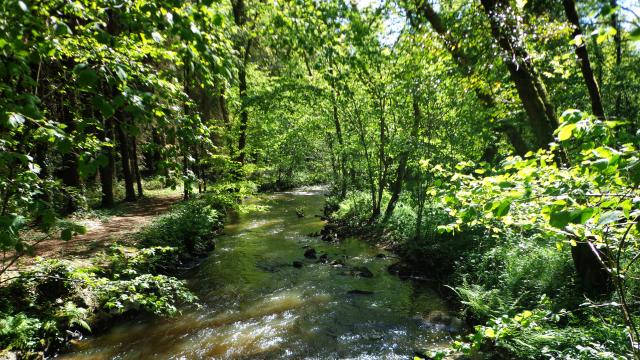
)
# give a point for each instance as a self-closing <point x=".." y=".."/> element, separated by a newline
<point x="244" y="47"/>
<point x="583" y="58"/>
<point x="531" y="90"/>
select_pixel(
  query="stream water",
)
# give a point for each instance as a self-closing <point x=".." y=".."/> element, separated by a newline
<point x="257" y="305"/>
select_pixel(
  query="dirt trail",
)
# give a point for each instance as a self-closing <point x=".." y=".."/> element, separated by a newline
<point x="102" y="233"/>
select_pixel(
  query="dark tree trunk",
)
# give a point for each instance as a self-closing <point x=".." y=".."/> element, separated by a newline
<point x="338" y="128"/>
<point x="107" y="170"/>
<point x="136" y="167"/>
<point x="123" y="144"/>
<point x="240" y="18"/>
<point x="593" y="276"/>
<point x="531" y="90"/>
<point x="69" y="174"/>
<point x="617" y="39"/>
<point x="396" y="187"/>
<point x="583" y="59"/>
<point x="467" y="66"/>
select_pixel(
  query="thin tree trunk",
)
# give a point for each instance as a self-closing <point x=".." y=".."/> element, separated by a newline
<point x="401" y="172"/>
<point x="617" y="39"/>
<point x="240" y="18"/>
<point x="338" y="128"/>
<point x="107" y="170"/>
<point x="130" y="194"/>
<point x="136" y="167"/>
<point x="382" y="166"/>
<point x="70" y="175"/>
<point x="583" y="59"/>
<point x="372" y="187"/>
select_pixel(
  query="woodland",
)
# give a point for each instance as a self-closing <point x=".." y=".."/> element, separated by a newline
<point x="493" y="145"/>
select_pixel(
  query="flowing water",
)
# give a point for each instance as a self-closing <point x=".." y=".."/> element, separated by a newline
<point x="257" y="305"/>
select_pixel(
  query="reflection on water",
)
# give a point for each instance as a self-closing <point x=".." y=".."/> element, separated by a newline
<point x="256" y="305"/>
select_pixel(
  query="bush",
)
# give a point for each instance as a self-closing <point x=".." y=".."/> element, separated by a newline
<point x="129" y="261"/>
<point x="189" y="226"/>
<point x="20" y="331"/>
<point x="156" y="294"/>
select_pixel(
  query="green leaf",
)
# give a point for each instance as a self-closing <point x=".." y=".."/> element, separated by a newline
<point x="104" y="106"/>
<point x="23" y="6"/>
<point x="585" y="215"/>
<point x="15" y="120"/>
<point x="87" y="78"/>
<point x="66" y="234"/>
<point x="560" y="219"/>
<point x="635" y="34"/>
<point x="502" y="208"/>
<point x="610" y="217"/>
<point x="565" y="132"/>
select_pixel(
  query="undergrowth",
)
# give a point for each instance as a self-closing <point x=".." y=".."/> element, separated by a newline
<point x="54" y="301"/>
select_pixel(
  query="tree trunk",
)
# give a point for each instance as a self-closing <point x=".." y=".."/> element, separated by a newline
<point x="123" y="144"/>
<point x="617" y="39"/>
<point x="107" y="170"/>
<point x="467" y="66"/>
<point x="69" y="174"/>
<point x="401" y="172"/>
<point x="338" y="128"/>
<point x="531" y="90"/>
<point x="583" y="59"/>
<point x="593" y="276"/>
<point x="136" y="167"/>
<point x="240" y="18"/>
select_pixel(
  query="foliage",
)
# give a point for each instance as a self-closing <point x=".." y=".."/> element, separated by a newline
<point x="156" y="294"/>
<point x="190" y="226"/>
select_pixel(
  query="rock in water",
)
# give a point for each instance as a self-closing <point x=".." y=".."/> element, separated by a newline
<point x="300" y="212"/>
<point x="310" y="253"/>
<point x="359" y="292"/>
<point x="297" y="264"/>
<point x="337" y="263"/>
<point x="362" y="271"/>
<point x="401" y="270"/>
<point x="324" y="258"/>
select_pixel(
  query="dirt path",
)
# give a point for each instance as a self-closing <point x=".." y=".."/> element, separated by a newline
<point x="102" y="233"/>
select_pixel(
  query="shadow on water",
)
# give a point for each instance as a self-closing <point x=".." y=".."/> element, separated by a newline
<point x="257" y="305"/>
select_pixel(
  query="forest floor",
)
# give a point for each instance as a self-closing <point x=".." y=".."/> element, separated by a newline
<point x="104" y="228"/>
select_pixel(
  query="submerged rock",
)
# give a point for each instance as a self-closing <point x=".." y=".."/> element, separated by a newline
<point x="324" y="258"/>
<point x="362" y="271"/>
<point x="310" y="253"/>
<point x="337" y="263"/>
<point x="359" y="292"/>
<point x="403" y="271"/>
<point x="297" y="264"/>
<point x="381" y="256"/>
<point x="443" y="321"/>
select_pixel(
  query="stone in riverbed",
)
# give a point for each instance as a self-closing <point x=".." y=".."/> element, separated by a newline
<point x="403" y="271"/>
<point x="362" y="271"/>
<point x="297" y="264"/>
<point x="310" y="253"/>
<point x="337" y="263"/>
<point x="359" y="292"/>
<point x="324" y="258"/>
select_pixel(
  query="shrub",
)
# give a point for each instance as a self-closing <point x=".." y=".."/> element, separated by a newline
<point x="20" y="331"/>
<point x="189" y="226"/>
<point x="156" y="294"/>
<point x="129" y="261"/>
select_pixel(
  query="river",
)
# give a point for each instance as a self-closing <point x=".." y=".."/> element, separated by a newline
<point x="256" y="305"/>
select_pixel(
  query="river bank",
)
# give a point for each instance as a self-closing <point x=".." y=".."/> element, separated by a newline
<point x="254" y="303"/>
<point x="55" y="302"/>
